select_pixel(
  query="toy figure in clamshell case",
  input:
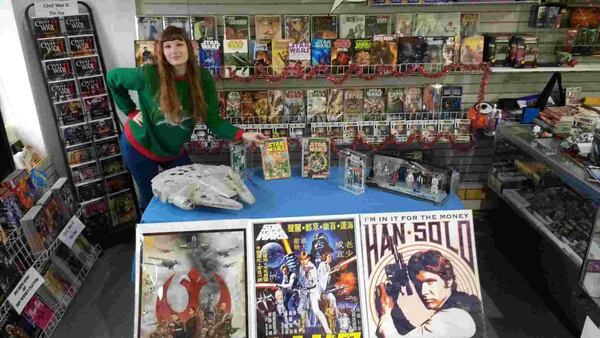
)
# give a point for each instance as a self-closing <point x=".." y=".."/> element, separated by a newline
<point x="353" y="164"/>
<point x="238" y="157"/>
<point x="307" y="277"/>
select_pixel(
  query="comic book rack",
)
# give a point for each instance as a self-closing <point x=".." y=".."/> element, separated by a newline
<point x="71" y="61"/>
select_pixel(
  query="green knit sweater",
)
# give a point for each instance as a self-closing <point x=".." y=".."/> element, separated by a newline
<point x="159" y="139"/>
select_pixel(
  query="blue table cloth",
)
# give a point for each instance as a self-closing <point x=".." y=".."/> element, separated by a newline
<point x="295" y="197"/>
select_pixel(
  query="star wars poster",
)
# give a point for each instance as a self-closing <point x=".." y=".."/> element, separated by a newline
<point x="307" y="277"/>
<point x="421" y="276"/>
<point x="191" y="280"/>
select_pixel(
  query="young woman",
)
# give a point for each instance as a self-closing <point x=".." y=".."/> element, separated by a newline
<point x="174" y="95"/>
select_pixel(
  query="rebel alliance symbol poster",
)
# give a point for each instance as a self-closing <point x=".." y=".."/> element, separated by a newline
<point x="421" y="275"/>
<point x="307" y="277"/>
<point x="191" y="280"/>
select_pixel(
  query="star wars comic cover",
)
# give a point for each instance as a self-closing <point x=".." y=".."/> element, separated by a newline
<point x="433" y="52"/>
<point x="377" y="24"/>
<point x="471" y="50"/>
<point x="362" y="52"/>
<point x="353" y="105"/>
<point x="145" y="52"/>
<point x="210" y="56"/>
<point x="294" y="106"/>
<point x="316" y="100"/>
<point x="335" y="105"/>
<point x="395" y="102"/>
<point x="469" y="24"/>
<point x="413" y="100"/>
<point x="237" y="59"/>
<point x="78" y="24"/>
<point x="81" y="45"/>
<point x="374" y="105"/>
<point x="267" y="27"/>
<point x="204" y="27"/>
<point x="307" y="277"/>
<point x="299" y="54"/>
<point x="404" y="22"/>
<point x="275" y="158"/>
<point x="96" y="107"/>
<point x="236" y="27"/>
<point x="260" y="103"/>
<point x="297" y="27"/>
<point x="315" y="157"/>
<point x="46" y="27"/>
<point x="352" y="26"/>
<point x="52" y="48"/>
<point x="422" y="273"/>
<point x="341" y="55"/>
<point x="87" y="66"/>
<point x="91" y="86"/>
<point x="182" y="22"/>
<point x="69" y="112"/>
<point x="280" y="55"/>
<point x="263" y="59"/>
<point x="324" y="27"/>
<point x="276" y="101"/>
<point x="63" y="90"/>
<point x="149" y="27"/>
<point x="191" y="280"/>
<point x="320" y="52"/>
<point x="411" y="50"/>
<point x="384" y="50"/>
<point x="234" y="106"/>
<point x="248" y="107"/>
<point x="57" y="70"/>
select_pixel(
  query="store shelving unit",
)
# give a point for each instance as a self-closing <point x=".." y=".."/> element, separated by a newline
<point x="592" y="67"/>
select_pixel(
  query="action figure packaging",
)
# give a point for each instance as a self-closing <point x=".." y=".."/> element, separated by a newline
<point x="116" y="183"/>
<point x="352" y="26"/>
<point x="316" y="101"/>
<point x="63" y="90"/>
<point x="318" y="129"/>
<point x="78" y="24"/>
<point x="398" y="130"/>
<point x="362" y="52"/>
<point x="107" y="147"/>
<point x="212" y="257"/>
<point x="350" y="132"/>
<point x="381" y="130"/>
<point x="69" y="112"/>
<point x="204" y="27"/>
<point x="80" y="154"/>
<point x="366" y="130"/>
<point x="102" y="128"/>
<point x="57" y="70"/>
<point x="111" y="165"/>
<point x="297" y="27"/>
<point x="267" y="27"/>
<point x="280" y="54"/>
<point x="52" y="48"/>
<point x="404" y="22"/>
<point x="451" y="98"/>
<point x="353" y="105"/>
<point x="86" y="66"/>
<point x="239" y="159"/>
<point x="122" y="207"/>
<point x="354" y="166"/>
<point x="335" y="131"/>
<point x="294" y="106"/>
<point x="19" y="183"/>
<point x="149" y="27"/>
<point x="145" y="52"/>
<point x="76" y="134"/>
<point x="315" y="157"/>
<point x="335" y="105"/>
<point x="341" y="55"/>
<point x="236" y="58"/>
<point x="91" y="86"/>
<point x="374" y="104"/>
<point x="91" y="190"/>
<point x="324" y="27"/>
<point x="234" y="106"/>
<point x="307" y="277"/>
<point x="413" y="178"/>
<point x="414" y="128"/>
<point x="320" y="52"/>
<point x="429" y="130"/>
<point x="276" y="102"/>
<point x="377" y="24"/>
<point x="275" y="158"/>
<point x="405" y="257"/>
<point x="299" y="54"/>
<point x="82" y="45"/>
<point x="97" y="107"/>
<point x="446" y="129"/>
<point x="182" y="22"/>
<point x="296" y="130"/>
<point x="46" y="27"/>
<point x="236" y="27"/>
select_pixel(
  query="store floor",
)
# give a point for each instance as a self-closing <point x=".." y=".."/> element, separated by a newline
<point x="104" y="304"/>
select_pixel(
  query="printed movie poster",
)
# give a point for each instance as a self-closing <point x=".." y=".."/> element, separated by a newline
<point x="421" y="274"/>
<point x="307" y="278"/>
<point x="192" y="283"/>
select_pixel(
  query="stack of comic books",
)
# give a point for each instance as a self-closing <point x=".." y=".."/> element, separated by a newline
<point x="20" y="184"/>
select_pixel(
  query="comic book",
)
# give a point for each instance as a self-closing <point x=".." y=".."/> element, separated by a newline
<point x="222" y="103"/>
<point x="316" y="102"/>
<point x="324" y="27"/>
<point x="93" y="85"/>
<point x="116" y="183"/>
<point x="103" y="128"/>
<point x="13" y="322"/>
<point x="430" y="250"/>
<point x="78" y="24"/>
<point x="10" y="273"/>
<point x="149" y="27"/>
<point x="299" y="53"/>
<point x="52" y="48"/>
<point x="313" y="261"/>
<point x="280" y="55"/>
<point x="267" y="27"/>
<point x="19" y="183"/>
<point x="352" y="26"/>
<point x="377" y="25"/>
<point x="320" y="52"/>
<point x="413" y="100"/>
<point x="248" y="107"/>
<point x="469" y="24"/>
<point x="263" y="59"/>
<point x="91" y="190"/>
<point x="452" y="98"/>
<point x="145" y="52"/>
<point x="394" y="102"/>
<point x="362" y="52"/>
<point x="297" y="28"/>
<point x="57" y="70"/>
<point x="69" y="112"/>
<point x="211" y="257"/>
<point x="315" y="157"/>
<point x="63" y="90"/>
<point x="76" y="134"/>
<point x="11" y="209"/>
<point x="85" y="172"/>
<point x="42" y="224"/>
<point x="59" y="283"/>
<point x="384" y="50"/>
<point x="96" y="217"/>
<point x="107" y="147"/>
<point x="260" y="103"/>
<point x="276" y="102"/>
<point x="111" y="165"/>
<point x="96" y="107"/>
<point x="63" y="191"/>
<point x="80" y="154"/>
<point x="335" y="105"/>
<point x="447" y="24"/>
<point x="64" y="257"/>
<point x="341" y="55"/>
<point x="81" y="45"/>
<point x="353" y="105"/>
<point x="182" y="22"/>
<point x="234" y="106"/>
<point x="87" y="66"/>
<point x="204" y="27"/>
<point x="123" y="209"/>
<point x="275" y="158"/>
<point x="236" y="57"/>
<point x="210" y="56"/>
<point x="398" y="130"/>
<point x="374" y="105"/>
<point x="404" y="24"/>
<point x="471" y="50"/>
<point x="432" y="98"/>
<point x="411" y="50"/>
<point x="46" y="27"/>
<point x="450" y="50"/>
<point x="37" y="312"/>
<point x="433" y="51"/>
<point x="294" y="106"/>
<point x="236" y="27"/>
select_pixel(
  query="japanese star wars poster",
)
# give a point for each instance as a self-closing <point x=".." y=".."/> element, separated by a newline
<point x="307" y="277"/>
<point x="421" y="277"/>
<point x="191" y="280"/>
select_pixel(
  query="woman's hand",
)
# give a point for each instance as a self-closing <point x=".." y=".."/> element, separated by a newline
<point x="253" y="137"/>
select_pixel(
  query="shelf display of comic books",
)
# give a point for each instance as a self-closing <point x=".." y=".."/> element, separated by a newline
<point x="71" y="59"/>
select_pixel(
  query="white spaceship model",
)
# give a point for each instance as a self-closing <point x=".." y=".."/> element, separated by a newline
<point x="201" y="185"/>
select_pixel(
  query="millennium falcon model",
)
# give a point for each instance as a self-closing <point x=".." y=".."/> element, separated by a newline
<point x="201" y="185"/>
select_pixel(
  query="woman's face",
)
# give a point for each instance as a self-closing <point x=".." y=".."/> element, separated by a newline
<point x="176" y="52"/>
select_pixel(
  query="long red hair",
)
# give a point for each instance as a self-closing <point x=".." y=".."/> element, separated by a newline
<point x="169" y="102"/>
